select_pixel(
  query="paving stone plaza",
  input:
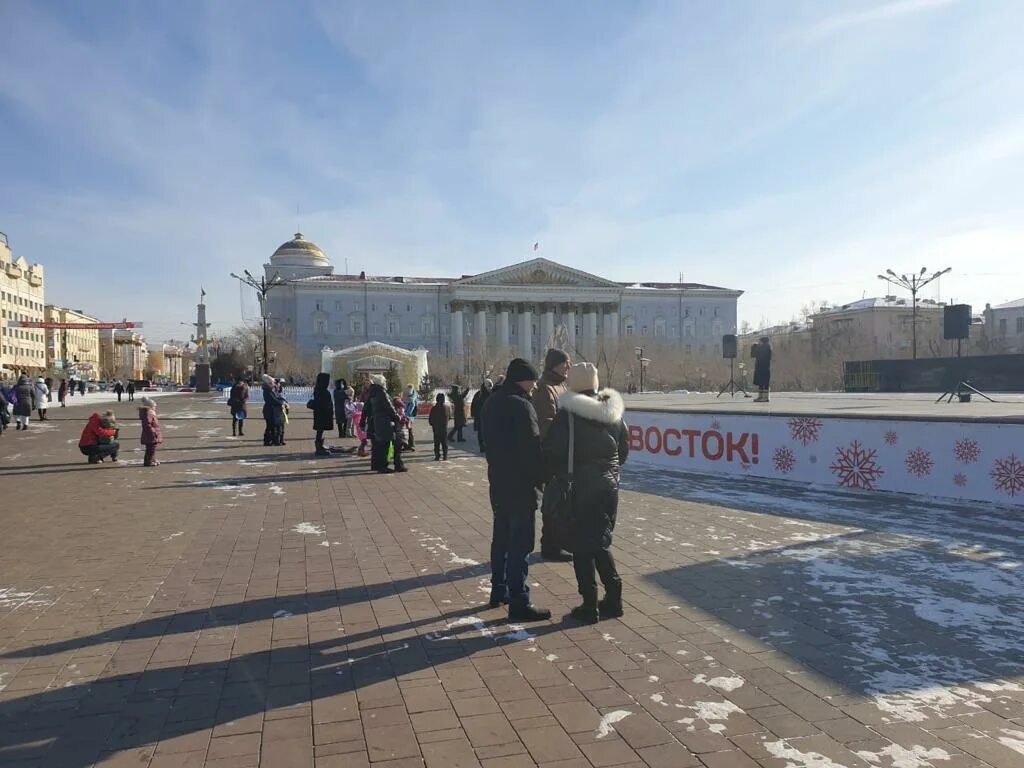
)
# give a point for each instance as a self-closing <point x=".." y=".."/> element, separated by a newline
<point x="241" y="606"/>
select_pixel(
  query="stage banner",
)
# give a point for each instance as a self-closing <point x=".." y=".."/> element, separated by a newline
<point x="960" y="460"/>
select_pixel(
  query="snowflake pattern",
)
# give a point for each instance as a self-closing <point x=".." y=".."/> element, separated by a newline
<point x="784" y="459"/>
<point x="716" y="425"/>
<point x="1008" y="475"/>
<point x="805" y="429"/>
<point x="857" y="467"/>
<point x="919" y="462"/>
<point x="959" y="479"/>
<point x="966" y="451"/>
<point x="891" y="438"/>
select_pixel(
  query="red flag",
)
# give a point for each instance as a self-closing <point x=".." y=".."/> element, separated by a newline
<point x="536" y="246"/>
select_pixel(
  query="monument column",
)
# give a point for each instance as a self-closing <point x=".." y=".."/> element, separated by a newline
<point x="457" y="348"/>
<point x="570" y="327"/>
<point x="590" y="329"/>
<point x="547" y="325"/>
<point x="480" y="326"/>
<point x="502" y="325"/>
<point x="525" y="332"/>
<point x="612" y="319"/>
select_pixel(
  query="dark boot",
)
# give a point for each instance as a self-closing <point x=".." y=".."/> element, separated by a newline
<point x="234" y="428"/>
<point x="587" y="613"/>
<point x="611" y="604"/>
<point x="529" y="613"/>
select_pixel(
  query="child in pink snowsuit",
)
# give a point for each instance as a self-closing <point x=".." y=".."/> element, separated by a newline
<point x="151" y="434"/>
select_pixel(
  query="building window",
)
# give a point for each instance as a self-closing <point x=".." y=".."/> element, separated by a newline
<point x="408" y="307"/>
<point x="689" y="349"/>
<point x="356" y="326"/>
<point x="427" y="326"/>
<point x="659" y="327"/>
<point x="339" y="329"/>
<point x="373" y="307"/>
<point x="1002" y="326"/>
<point x="1020" y="325"/>
<point x="319" y="306"/>
<point x="337" y="306"/>
<point x="393" y="329"/>
<point x="643" y="330"/>
<point x="391" y="307"/>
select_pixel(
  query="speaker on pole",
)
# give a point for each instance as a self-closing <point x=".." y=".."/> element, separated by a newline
<point x="956" y="322"/>
<point x="729" y="346"/>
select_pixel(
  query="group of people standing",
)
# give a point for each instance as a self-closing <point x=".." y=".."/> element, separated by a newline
<point x="584" y="444"/>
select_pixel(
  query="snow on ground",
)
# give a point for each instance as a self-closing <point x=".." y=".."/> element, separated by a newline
<point x="96" y="399"/>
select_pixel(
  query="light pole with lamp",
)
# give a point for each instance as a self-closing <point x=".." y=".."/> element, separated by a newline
<point x="643" y="365"/>
<point x="914" y="283"/>
<point x="262" y="288"/>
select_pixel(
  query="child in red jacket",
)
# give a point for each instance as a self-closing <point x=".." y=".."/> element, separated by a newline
<point x="151" y="435"/>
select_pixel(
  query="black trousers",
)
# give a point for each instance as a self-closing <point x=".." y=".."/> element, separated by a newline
<point x="440" y="446"/>
<point x="456" y="431"/>
<point x="512" y="539"/>
<point x="551" y="535"/>
<point x="379" y="454"/>
<point x="100" y="451"/>
<point x="319" y="440"/>
<point x="584" y="564"/>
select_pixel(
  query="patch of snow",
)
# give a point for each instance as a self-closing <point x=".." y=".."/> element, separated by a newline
<point x="1014" y="740"/>
<point x="174" y="535"/>
<point x="309" y="529"/>
<point x="798" y="759"/>
<point x="551" y="657"/>
<point x="714" y="710"/>
<point x="722" y="683"/>
<point x="282" y="614"/>
<point x="901" y="757"/>
<point x="518" y="633"/>
<point x="604" y="728"/>
<point x="277" y="490"/>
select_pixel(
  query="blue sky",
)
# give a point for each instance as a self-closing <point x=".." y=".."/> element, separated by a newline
<point x="790" y="149"/>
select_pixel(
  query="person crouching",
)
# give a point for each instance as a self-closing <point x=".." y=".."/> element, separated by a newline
<point x="600" y="448"/>
<point x="99" y="438"/>
<point x="151" y="434"/>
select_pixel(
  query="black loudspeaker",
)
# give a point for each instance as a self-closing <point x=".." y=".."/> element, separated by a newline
<point x="729" y="346"/>
<point x="956" y="322"/>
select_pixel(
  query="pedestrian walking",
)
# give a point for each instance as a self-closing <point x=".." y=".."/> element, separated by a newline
<point x="130" y="389"/>
<point x="151" y="433"/>
<point x="352" y="409"/>
<point x="515" y="473"/>
<point x="458" y="396"/>
<point x="323" y="411"/>
<point x="762" y="354"/>
<point x="118" y="389"/>
<point x="284" y="415"/>
<point x="476" y="411"/>
<point x="62" y="393"/>
<point x="238" y="403"/>
<point x="545" y="401"/>
<point x="410" y="403"/>
<point x="81" y="387"/>
<point x="341" y="401"/>
<point x="99" y="438"/>
<point x="7" y="398"/>
<point x="438" y="421"/>
<point x="273" y="412"/>
<point x="42" y="392"/>
<point x="400" y="440"/>
<point x="25" y="403"/>
<point x="589" y="436"/>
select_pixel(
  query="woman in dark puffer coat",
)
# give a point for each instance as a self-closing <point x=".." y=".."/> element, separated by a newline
<point x="601" y="445"/>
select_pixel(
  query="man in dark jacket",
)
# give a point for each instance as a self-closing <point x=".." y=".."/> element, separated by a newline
<point x="273" y="412"/>
<point x="458" y="398"/>
<point x="476" y="411"/>
<point x="545" y="402"/>
<point x="323" y="411"/>
<point x="762" y="354"/>
<point x="515" y="472"/>
<point x="130" y="389"/>
<point x="340" y="401"/>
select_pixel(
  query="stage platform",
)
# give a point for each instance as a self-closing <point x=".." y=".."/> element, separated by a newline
<point x="1009" y="408"/>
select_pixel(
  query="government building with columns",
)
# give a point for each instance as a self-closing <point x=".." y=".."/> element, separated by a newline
<point x="519" y="310"/>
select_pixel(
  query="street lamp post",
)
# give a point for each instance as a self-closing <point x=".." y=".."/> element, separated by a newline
<point x="262" y="288"/>
<point x="914" y="283"/>
<point x="643" y="364"/>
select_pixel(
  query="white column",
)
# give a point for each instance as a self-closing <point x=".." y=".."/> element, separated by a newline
<point x="590" y="329"/>
<point x="612" y="332"/>
<point x="525" y="333"/>
<point x="480" y="327"/>
<point x="547" y="325"/>
<point x="457" y="327"/>
<point x="503" y="325"/>
<point x="570" y="327"/>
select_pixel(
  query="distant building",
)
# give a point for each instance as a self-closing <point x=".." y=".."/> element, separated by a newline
<point x="1004" y="326"/>
<point x="123" y="354"/>
<point x="173" y="369"/>
<point x="72" y="352"/>
<point x="21" y="298"/>
<point x="879" y="328"/>
<point x="516" y="310"/>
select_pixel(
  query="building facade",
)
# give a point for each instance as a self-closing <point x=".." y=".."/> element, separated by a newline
<point x="72" y="351"/>
<point x="517" y="310"/>
<point x="880" y="328"/>
<point x="1004" y="326"/>
<point x="21" y="298"/>
<point x="123" y="354"/>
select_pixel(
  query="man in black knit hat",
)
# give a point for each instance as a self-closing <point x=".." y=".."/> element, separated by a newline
<point x="515" y="472"/>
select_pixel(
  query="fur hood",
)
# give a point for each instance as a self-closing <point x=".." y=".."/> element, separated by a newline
<point x="606" y="408"/>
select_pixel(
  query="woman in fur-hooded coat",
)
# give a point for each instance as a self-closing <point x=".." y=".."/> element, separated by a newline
<point x="601" y="445"/>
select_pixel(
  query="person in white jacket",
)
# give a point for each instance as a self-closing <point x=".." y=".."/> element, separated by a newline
<point x="42" y="397"/>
